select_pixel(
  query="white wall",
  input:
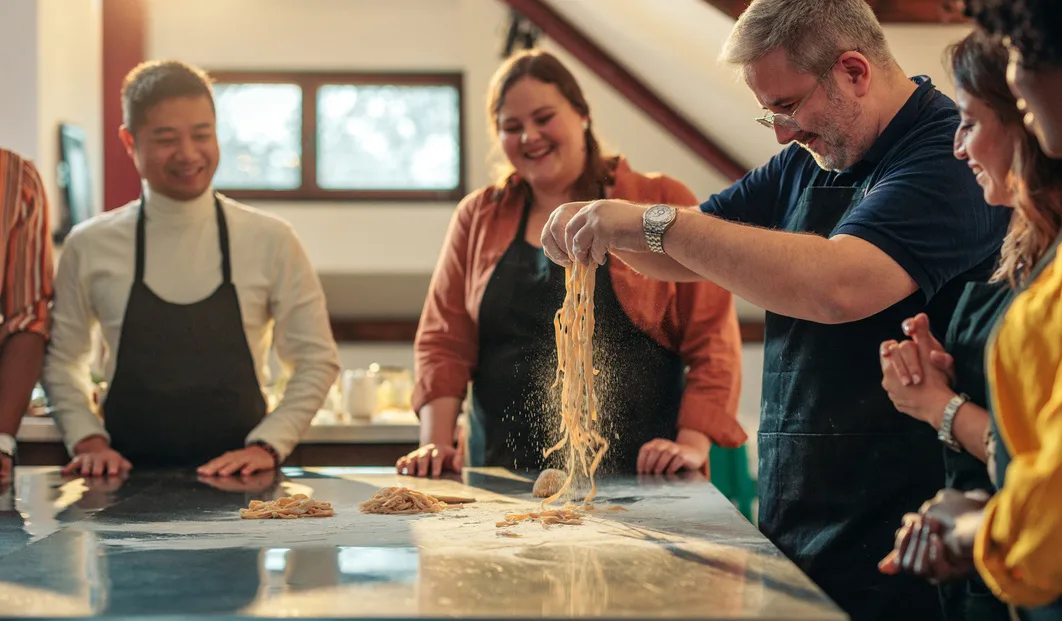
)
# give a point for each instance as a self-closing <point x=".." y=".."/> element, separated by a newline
<point x="50" y="74"/>
<point x="18" y="76"/>
<point x="70" y="78"/>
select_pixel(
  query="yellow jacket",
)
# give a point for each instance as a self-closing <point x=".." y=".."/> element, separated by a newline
<point x="1019" y="548"/>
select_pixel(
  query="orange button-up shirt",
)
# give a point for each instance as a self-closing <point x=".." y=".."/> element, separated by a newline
<point x="695" y="320"/>
<point x="26" y="261"/>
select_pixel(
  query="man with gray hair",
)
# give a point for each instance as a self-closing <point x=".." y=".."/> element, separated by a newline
<point x="866" y="220"/>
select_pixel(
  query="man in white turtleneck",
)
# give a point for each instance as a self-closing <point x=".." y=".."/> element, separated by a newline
<point x="191" y="290"/>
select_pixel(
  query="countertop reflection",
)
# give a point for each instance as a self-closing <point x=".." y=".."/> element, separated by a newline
<point x="170" y="543"/>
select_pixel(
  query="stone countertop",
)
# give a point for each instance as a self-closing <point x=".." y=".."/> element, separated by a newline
<point x="169" y="544"/>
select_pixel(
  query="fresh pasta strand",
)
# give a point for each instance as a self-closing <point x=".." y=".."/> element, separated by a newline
<point x="287" y="508"/>
<point x="567" y="516"/>
<point x="574" y="326"/>
<point x="401" y="500"/>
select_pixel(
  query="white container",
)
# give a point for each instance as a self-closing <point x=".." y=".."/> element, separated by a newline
<point x="359" y="394"/>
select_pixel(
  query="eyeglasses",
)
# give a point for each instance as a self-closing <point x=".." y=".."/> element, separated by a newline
<point x="788" y="122"/>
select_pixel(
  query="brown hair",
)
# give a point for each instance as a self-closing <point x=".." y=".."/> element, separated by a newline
<point x="546" y="68"/>
<point x="979" y="65"/>
<point x="153" y="82"/>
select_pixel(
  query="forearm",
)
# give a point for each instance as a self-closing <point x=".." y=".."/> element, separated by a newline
<point x="438" y="420"/>
<point x="791" y="274"/>
<point x="660" y="266"/>
<point x="68" y="385"/>
<point x="694" y="439"/>
<point x="20" y="364"/>
<point x="305" y="392"/>
<point x="969" y="426"/>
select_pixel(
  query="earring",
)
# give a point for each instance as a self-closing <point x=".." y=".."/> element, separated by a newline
<point x="586" y="125"/>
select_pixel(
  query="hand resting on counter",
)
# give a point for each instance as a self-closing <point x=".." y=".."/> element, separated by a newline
<point x="244" y="462"/>
<point x="431" y="460"/>
<point x="94" y="457"/>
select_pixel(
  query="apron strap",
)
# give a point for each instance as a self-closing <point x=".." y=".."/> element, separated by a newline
<point x="223" y="241"/>
<point x="525" y="214"/>
<point x="139" y="276"/>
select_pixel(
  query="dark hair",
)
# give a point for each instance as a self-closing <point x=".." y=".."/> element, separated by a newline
<point x="153" y="82"/>
<point x="1032" y="26"/>
<point x="979" y="66"/>
<point x="546" y="68"/>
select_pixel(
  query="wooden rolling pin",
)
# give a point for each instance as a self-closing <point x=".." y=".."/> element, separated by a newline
<point x="454" y="500"/>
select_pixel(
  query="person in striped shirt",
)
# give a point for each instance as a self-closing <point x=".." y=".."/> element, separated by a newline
<point x="25" y="293"/>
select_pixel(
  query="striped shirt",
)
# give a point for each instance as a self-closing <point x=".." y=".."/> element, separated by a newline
<point x="26" y="258"/>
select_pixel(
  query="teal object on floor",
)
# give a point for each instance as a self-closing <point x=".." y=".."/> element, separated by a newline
<point x="730" y="474"/>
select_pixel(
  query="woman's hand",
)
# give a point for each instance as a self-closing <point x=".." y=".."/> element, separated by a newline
<point x="689" y="451"/>
<point x="937" y="542"/>
<point x="921" y="549"/>
<point x="431" y="460"/>
<point x="918" y="373"/>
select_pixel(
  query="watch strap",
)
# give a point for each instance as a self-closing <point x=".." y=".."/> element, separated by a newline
<point x="947" y="422"/>
<point x="654" y="232"/>
<point x="267" y="447"/>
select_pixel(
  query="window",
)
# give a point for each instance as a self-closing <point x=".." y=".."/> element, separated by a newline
<point x="340" y="137"/>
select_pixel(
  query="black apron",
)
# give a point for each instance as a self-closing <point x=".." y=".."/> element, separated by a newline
<point x="1053" y="611"/>
<point x="515" y="414"/>
<point x="975" y="316"/>
<point x="839" y="466"/>
<point x="184" y="389"/>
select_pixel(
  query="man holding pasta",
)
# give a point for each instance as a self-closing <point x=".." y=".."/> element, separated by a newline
<point x="866" y="220"/>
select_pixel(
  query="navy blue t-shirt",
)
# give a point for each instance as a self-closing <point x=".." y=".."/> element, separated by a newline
<point x="839" y="466"/>
<point x="923" y="207"/>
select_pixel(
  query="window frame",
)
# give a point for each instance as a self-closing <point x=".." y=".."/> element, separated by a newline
<point x="310" y="82"/>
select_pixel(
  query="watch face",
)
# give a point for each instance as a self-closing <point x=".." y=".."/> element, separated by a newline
<point x="658" y="214"/>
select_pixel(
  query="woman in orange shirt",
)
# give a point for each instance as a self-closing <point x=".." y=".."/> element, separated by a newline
<point x="488" y="317"/>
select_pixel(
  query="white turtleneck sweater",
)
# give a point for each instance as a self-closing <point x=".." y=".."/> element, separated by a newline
<point x="280" y="298"/>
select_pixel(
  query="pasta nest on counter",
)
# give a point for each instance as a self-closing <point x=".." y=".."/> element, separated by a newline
<point x="401" y="500"/>
<point x="287" y="508"/>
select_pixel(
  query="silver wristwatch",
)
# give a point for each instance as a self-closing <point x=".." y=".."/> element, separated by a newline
<point x="655" y="222"/>
<point x="947" y="423"/>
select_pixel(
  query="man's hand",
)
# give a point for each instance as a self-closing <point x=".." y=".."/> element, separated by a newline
<point x="586" y="232"/>
<point x="662" y="456"/>
<point x="243" y="461"/>
<point x="94" y="457"/>
<point x="430" y="460"/>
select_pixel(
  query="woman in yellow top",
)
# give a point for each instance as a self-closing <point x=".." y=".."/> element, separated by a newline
<point x="1015" y="539"/>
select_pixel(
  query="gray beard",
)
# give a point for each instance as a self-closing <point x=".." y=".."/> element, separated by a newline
<point x="835" y="162"/>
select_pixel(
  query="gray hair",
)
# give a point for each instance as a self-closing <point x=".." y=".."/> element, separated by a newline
<point x="813" y="33"/>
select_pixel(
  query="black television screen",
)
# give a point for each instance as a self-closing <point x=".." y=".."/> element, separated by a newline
<point x="75" y="180"/>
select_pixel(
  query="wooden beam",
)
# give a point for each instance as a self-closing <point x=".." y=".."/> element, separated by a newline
<point x="616" y="75"/>
<point x="124" y="44"/>
<point x="888" y="11"/>
<point x="351" y="331"/>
